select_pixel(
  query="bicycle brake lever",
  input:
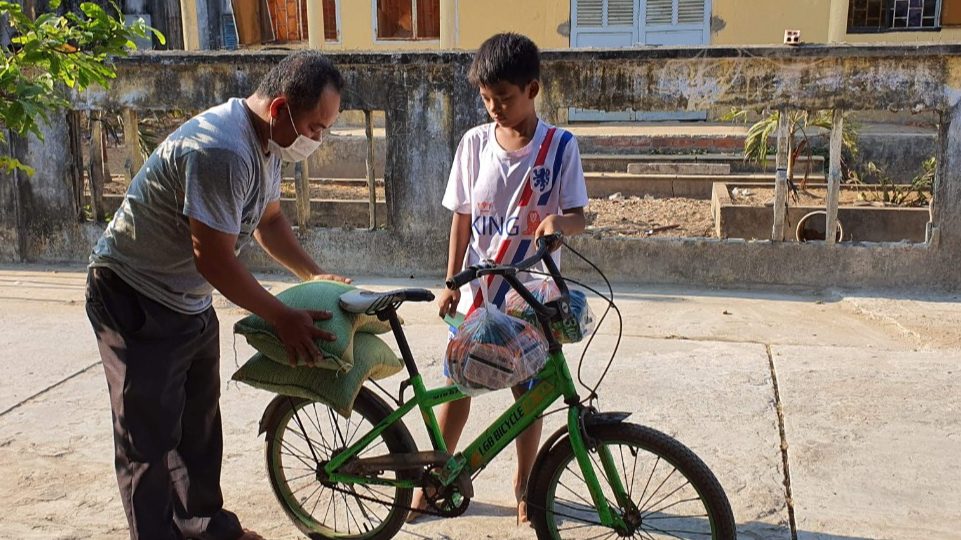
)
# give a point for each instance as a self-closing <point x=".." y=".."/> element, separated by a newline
<point x="404" y="385"/>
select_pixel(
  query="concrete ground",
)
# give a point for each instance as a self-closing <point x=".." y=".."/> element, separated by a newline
<point x="851" y="400"/>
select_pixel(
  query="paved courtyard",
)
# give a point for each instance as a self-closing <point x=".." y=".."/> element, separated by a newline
<point x="858" y="394"/>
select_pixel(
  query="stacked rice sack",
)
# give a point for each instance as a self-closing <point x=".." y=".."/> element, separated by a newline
<point x="355" y="356"/>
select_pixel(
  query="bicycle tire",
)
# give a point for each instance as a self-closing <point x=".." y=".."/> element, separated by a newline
<point x="372" y="409"/>
<point x="544" y="507"/>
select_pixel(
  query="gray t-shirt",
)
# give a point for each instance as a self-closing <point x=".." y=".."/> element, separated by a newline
<point x="211" y="169"/>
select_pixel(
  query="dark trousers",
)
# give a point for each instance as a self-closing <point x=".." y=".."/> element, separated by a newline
<point x="163" y="375"/>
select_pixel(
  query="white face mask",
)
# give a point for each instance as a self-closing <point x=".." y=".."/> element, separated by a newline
<point x="299" y="150"/>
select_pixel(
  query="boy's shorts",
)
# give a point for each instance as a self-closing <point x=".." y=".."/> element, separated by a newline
<point x="451" y="334"/>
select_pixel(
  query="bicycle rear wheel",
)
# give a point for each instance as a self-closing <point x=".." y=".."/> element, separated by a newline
<point x="672" y="492"/>
<point x="302" y="436"/>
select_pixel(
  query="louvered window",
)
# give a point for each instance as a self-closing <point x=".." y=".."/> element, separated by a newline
<point x="620" y="12"/>
<point x="668" y="12"/>
<point x="690" y="12"/>
<point x="660" y="12"/>
<point x="590" y="13"/>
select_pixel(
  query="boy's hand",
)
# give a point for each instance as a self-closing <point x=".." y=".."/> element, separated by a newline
<point x="571" y="223"/>
<point x="550" y="225"/>
<point x="448" y="302"/>
<point x="295" y="328"/>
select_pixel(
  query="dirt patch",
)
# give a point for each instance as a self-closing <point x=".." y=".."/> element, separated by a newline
<point x="637" y="217"/>
<point x="319" y="189"/>
<point x="867" y="196"/>
<point x="632" y="216"/>
<point x="338" y="192"/>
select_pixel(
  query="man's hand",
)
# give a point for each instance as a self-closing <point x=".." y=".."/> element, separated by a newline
<point x="295" y="328"/>
<point x="448" y="302"/>
<point x="329" y="277"/>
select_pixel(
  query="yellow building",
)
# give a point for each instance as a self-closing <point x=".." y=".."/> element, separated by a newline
<point x="463" y="24"/>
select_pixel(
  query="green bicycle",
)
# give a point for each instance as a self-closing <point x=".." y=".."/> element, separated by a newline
<point x="596" y="478"/>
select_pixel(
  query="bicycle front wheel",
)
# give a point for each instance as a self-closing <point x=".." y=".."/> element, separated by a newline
<point x="670" y="492"/>
<point x="302" y="436"/>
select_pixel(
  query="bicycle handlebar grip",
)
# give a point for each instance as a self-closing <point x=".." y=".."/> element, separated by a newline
<point x="462" y="279"/>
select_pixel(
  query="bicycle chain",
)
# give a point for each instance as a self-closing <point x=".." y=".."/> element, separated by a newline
<point x="425" y="511"/>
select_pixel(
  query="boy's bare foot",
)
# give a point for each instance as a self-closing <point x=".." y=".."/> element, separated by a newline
<point x="420" y="503"/>
<point x="522" y="512"/>
<point x="250" y="535"/>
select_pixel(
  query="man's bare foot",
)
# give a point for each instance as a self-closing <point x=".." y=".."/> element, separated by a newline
<point x="250" y="535"/>
<point x="420" y="503"/>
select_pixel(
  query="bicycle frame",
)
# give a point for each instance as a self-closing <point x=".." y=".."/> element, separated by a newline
<point x="554" y="382"/>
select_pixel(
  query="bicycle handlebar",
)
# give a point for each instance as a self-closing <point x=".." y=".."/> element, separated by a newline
<point x="544" y="244"/>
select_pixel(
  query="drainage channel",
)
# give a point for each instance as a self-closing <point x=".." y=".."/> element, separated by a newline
<point x="47" y="389"/>
<point x="784" y="446"/>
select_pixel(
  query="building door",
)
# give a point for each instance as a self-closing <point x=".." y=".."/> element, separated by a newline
<point x="627" y="23"/>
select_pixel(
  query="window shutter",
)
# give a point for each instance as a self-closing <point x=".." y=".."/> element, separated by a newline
<point x="330" y="21"/>
<point x="951" y="12"/>
<point x="590" y="13"/>
<point x="659" y="12"/>
<point x="690" y="12"/>
<point x="620" y="12"/>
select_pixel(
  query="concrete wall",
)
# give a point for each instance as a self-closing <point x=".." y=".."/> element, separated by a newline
<point x="429" y="105"/>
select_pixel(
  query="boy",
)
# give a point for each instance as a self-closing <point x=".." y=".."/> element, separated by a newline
<point x="512" y="181"/>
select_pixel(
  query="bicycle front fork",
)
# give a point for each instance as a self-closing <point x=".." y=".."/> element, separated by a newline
<point x="582" y="450"/>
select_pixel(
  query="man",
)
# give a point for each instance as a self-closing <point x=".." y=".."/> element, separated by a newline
<point x="208" y="189"/>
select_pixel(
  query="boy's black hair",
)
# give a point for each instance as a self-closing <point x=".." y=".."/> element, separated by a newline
<point x="301" y="77"/>
<point x="506" y="57"/>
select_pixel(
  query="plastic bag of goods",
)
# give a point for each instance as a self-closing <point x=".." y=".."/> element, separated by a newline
<point x="545" y="290"/>
<point x="493" y="350"/>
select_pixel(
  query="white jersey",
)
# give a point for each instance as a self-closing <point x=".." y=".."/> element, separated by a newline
<point x="507" y="194"/>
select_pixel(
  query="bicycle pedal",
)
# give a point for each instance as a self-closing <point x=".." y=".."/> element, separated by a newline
<point x="396" y="462"/>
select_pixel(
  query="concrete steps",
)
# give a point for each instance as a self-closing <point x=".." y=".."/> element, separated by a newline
<point x="620" y="162"/>
<point x="692" y="186"/>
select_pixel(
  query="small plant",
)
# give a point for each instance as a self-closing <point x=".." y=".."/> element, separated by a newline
<point x="53" y="56"/>
<point x="876" y="185"/>
<point x="757" y="147"/>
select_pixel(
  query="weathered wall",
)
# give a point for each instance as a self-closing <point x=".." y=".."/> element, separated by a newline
<point x="429" y="105"/>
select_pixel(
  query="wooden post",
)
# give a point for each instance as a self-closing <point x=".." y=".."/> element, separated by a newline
<point x="131" y="142"/>
<point x="96" y="173"/>
<point x="302" y="189"/>
<point x="781" y="176"/>
<point x="371" y="181"/>
<point x="190" y="25"/>
<point x="76" y="175"/>
<point x="834" y="178"/>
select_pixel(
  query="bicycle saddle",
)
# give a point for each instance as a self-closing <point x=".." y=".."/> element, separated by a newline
<point x="370" y="302"/>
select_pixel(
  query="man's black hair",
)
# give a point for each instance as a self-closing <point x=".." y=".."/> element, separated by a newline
<point x="301" y="77"/>
<point x="506" y="57"/>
